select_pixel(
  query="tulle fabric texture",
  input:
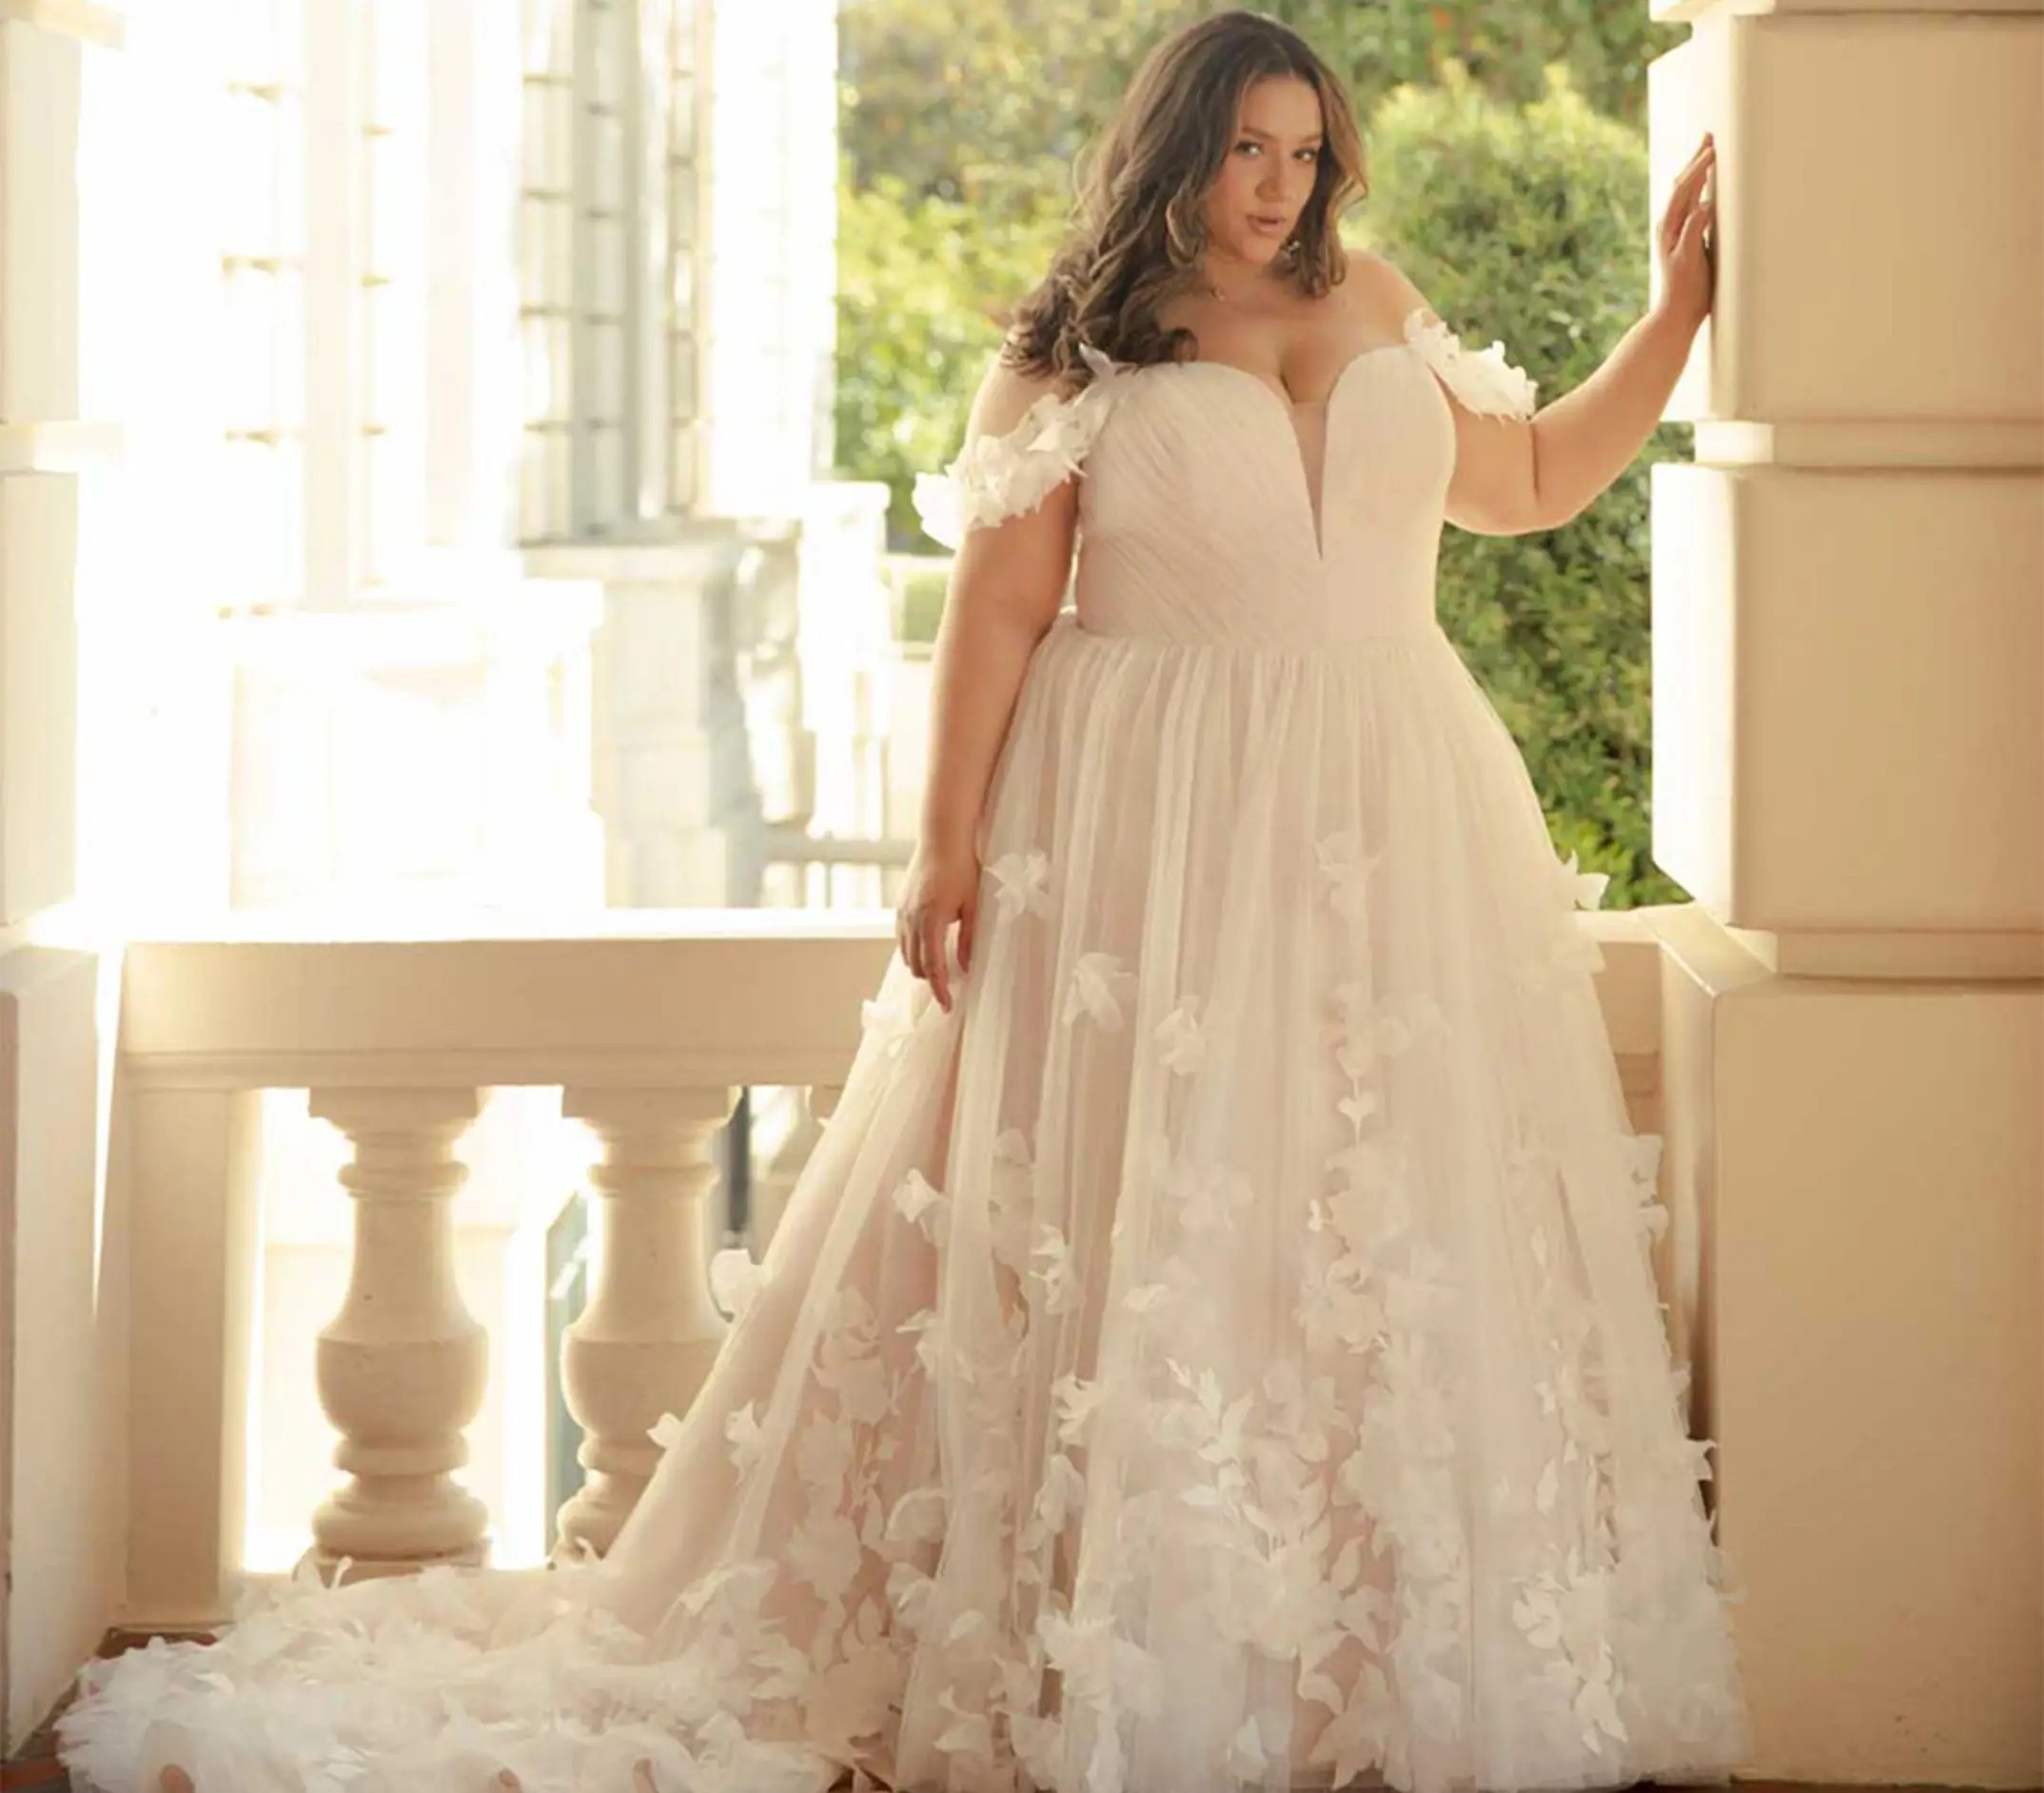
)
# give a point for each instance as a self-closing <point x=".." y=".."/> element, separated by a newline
<point x="1221" y="1353"/>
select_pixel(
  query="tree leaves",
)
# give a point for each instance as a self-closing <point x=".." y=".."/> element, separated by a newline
<point x="1527" y="224"/>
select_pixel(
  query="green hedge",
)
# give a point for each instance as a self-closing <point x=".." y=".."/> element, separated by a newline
<point x="917" y="279"/>
<point x="1531" y="225"/>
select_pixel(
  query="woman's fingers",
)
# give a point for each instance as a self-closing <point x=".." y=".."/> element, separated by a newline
<point x="1693" y="177"/>
<point x="1689" y="182"/>
<point x="1684" y="203"/>
<point x="1688" y="190"/>
<point x="933" y="957"/>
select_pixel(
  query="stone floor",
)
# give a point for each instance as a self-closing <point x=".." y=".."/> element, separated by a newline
<point x="38" y="1767"/>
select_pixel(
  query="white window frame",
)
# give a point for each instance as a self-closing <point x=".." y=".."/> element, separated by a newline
<point x="611" y="226"/>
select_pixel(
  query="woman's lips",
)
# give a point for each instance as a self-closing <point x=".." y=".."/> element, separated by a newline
<point x="1268" y="228"/>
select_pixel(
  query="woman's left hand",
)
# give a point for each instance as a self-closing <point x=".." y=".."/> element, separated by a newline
<point x="1687" y="261"/>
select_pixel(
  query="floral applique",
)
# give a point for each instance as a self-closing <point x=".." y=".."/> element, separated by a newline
<point x="1205" y="1195"/>
<point x="1079" y="1401"/>
<point x="1009" y="1199"/>
<point x="1098" y="988"/>
<point x="1483" y="380"/>
<point x="734" y="1278"/>
<point x="1568" y="1601"/>
<point x="744" y="1436"/>
<point x="1182" y="1036"/>
<point x="1377" y="1290"/>
<point x="1585" y="889"/>
<point x="924" y="1203"/>
<point x="995" y="477"/>
<point x="1572" y="951"/>
<point x="1567" y="1611"/>
<point x="1022" y="882"/>
<point x="1345" y="871"/>
<point x="1054" y="1270"/>
<point x="1643" y="1153"/>
<point x="1171" y="1303"/>
<point x="922" y="1326"/>
<point x="889" y="1017"/>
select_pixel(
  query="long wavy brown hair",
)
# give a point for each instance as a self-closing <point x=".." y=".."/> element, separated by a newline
<point x="1138" y="224"/>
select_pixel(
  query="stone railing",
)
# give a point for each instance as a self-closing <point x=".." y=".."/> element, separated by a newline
<point x="649" y="1023"/>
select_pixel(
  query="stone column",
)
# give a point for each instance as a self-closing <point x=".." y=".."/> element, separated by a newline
<point x="650" y="1333"/>
<point x="670" y="773"/>
<point x="1848" y="637"/>
<point x="401" y="1367"/>
<point x="64" y="1323"/>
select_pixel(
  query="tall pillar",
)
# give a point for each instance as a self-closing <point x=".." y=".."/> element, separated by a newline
<point x="1848" y="639"/>
<point x="62" y="1336"/>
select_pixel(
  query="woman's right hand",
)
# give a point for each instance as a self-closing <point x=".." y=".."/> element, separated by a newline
<point x="941" y="886"/>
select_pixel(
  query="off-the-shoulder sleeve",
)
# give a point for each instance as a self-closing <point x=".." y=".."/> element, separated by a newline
<point x="1483" y="380"/>
<point x="995" y="477"/>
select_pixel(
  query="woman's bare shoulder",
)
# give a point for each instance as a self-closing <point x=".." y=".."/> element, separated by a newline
<point x="1382" y="294"/>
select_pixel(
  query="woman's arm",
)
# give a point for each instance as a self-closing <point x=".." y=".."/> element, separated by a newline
<point x="1513" y="474"/>
<point x="1579" y="445"/>
<point x="1010" y="505"/>
<point x="1006" y="585"/>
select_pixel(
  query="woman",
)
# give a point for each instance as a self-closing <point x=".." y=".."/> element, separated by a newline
<point x="1213" y="1344"/>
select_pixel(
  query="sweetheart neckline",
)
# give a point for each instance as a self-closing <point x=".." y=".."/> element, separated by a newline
<point x="1282" y="399"/>
<point x="1288" y="410"/>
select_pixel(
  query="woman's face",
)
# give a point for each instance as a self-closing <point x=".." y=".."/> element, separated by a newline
<point x="1268" y="176"/>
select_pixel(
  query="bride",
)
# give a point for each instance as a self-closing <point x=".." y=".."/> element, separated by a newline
<point x="1214" y="1343"/>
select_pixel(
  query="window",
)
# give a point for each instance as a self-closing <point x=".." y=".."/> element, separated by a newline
<point x="325" y="185"/>
<point x="609" y="243"/>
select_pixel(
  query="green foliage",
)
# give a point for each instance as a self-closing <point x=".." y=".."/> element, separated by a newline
<point x="913" y="277"/>
<point x="989" y="100"/>
<point x="1531" y="225"/>
<point x="922" y="599"/>
<point x="1509" y="186"/>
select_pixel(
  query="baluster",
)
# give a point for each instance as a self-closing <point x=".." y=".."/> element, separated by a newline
<point x="770" y="1191"/>
<point x="401" y="1367"/>
<point x="650" y="1333"/>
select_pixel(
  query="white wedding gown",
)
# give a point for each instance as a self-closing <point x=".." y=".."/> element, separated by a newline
<point x="1222" y="1352"/>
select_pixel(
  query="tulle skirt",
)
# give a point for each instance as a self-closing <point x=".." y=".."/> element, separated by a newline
<point x="1221" y="1352"/>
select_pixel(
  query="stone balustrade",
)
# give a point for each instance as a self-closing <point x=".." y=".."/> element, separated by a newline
<point x="648" y="1022"/>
